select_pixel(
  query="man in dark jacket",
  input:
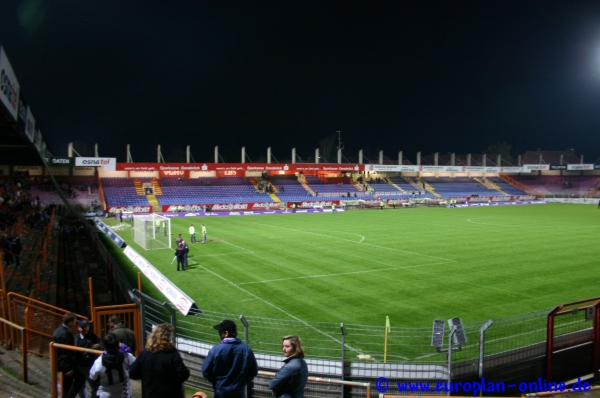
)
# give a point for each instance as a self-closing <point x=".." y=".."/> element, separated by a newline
<point x="123" y="333"/>
<point x="186" y="250"/>
<point x="87" y="339"/>
<point x="230" y="365"/>
<point x="180" y="254"/>
<point x="67" y="363"/>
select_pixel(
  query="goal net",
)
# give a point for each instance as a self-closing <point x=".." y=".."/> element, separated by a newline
<point x="152" y="231"/>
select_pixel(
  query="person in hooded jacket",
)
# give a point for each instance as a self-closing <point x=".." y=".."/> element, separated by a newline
<point x="290" y="380"/>
<point x="111" y="370"/>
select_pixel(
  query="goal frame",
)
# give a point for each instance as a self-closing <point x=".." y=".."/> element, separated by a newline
<point x="147" y="235"/>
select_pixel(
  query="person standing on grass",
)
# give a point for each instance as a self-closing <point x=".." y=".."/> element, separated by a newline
<point x="186" y="250"/>
<point x="160" y="366"/>
<point x="230" y="365"/>
<point x="290" y="380"/>
<point x="180" y="254"/>
<point x="203" y="234"/>
<point x="192" y="231"/>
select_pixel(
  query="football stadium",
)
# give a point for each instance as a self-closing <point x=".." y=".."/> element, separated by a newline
<point x="462" y="271"/>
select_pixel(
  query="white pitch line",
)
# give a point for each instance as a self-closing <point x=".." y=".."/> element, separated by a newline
<point x="239" y="247"/>
<point x="276" y="307"/>
<point x="344" y="273"/>
<point x="364" y="244"/>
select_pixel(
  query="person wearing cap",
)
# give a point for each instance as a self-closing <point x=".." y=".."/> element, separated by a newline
<point x="230" y="365"/>
<point x="87" y="339"/>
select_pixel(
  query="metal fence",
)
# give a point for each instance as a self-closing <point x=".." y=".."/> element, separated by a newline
<point x="512" y="349"/>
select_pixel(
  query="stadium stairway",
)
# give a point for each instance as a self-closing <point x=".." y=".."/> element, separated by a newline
<point x="308" y="189"/>
<point x="156" y="185"/>
<point x="394" y="185"/>
<point x="275" y="197"/>
<point x="490" y="185"/>
<point x="137" y="183"/>
<point x="153" y="200"/>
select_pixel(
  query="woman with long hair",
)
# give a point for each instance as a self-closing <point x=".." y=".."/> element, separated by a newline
<point x="291" y="379"/>
<point x="159" y="366"/>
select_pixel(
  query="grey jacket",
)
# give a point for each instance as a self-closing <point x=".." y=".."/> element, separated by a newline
<point x="291" y="379"/>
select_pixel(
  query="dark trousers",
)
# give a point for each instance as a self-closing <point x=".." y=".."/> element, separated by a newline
<point x="71" y="385"/>
<point x="180" y="262"/>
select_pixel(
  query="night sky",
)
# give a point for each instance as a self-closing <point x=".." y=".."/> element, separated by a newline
<point x="429" y="76"/>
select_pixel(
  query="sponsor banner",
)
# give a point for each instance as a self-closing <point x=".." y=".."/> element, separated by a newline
<point x="390" y="167"/>
<point x="558" y="167"/>
<point x="492" y="170"/>
<point x="105" y="228"/>
<point x="475" y="169"/>
<point x="392" y="202"/>
<point x="229" y="173"/>
<point x="130" y="209"/>
<point x="60" y="161"/>
<point x="535" y="167"/>
<point x="30" y="125"/>
<point x="307" y="204"/>
<point x="432" y="169"/>
<point x="109" y="164"/>
<point x="173" y="173"/>
<point x="580" y="167"/>
<point x="511" y="169"/>
<point x="227" y="169"/>
<point x="501" y="198"/>
<point x="523" y="198"/>
<point x="84" y="171"/>
<point x="33" y="170"/>
<point x="94" y="213"/>
<point x="222" y="207"/>
<point x="9" y="86"/>
<point x="175" y="295"/>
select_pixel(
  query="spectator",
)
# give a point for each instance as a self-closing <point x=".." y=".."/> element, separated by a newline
<point x="67" y="363"/>
<point x="230" y="365"/>
<point x="124" y="335"/>
<point x="290" y="380"/>
<point x="87" y="339"/>
<point x="160" y="367"/>
<point x="111" y="370"/>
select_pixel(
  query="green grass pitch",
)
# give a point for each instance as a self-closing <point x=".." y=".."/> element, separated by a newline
<point x="413" y="265"/>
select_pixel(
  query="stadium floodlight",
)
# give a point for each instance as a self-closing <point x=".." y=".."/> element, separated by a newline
<point x="460" y="337"/>
<point x="457" y="333"/>
<point x="437" y="333"/>
<point x="152" y="231"/>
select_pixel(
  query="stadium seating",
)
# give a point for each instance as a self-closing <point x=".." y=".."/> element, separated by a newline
<point x="209" y="190"/>
<point x="559" y="185"/>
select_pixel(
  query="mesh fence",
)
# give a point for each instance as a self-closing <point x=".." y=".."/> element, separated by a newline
<point x="359" y="353"/>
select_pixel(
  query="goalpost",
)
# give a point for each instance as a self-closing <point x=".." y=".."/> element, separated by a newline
<point x="152" y="231"/>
